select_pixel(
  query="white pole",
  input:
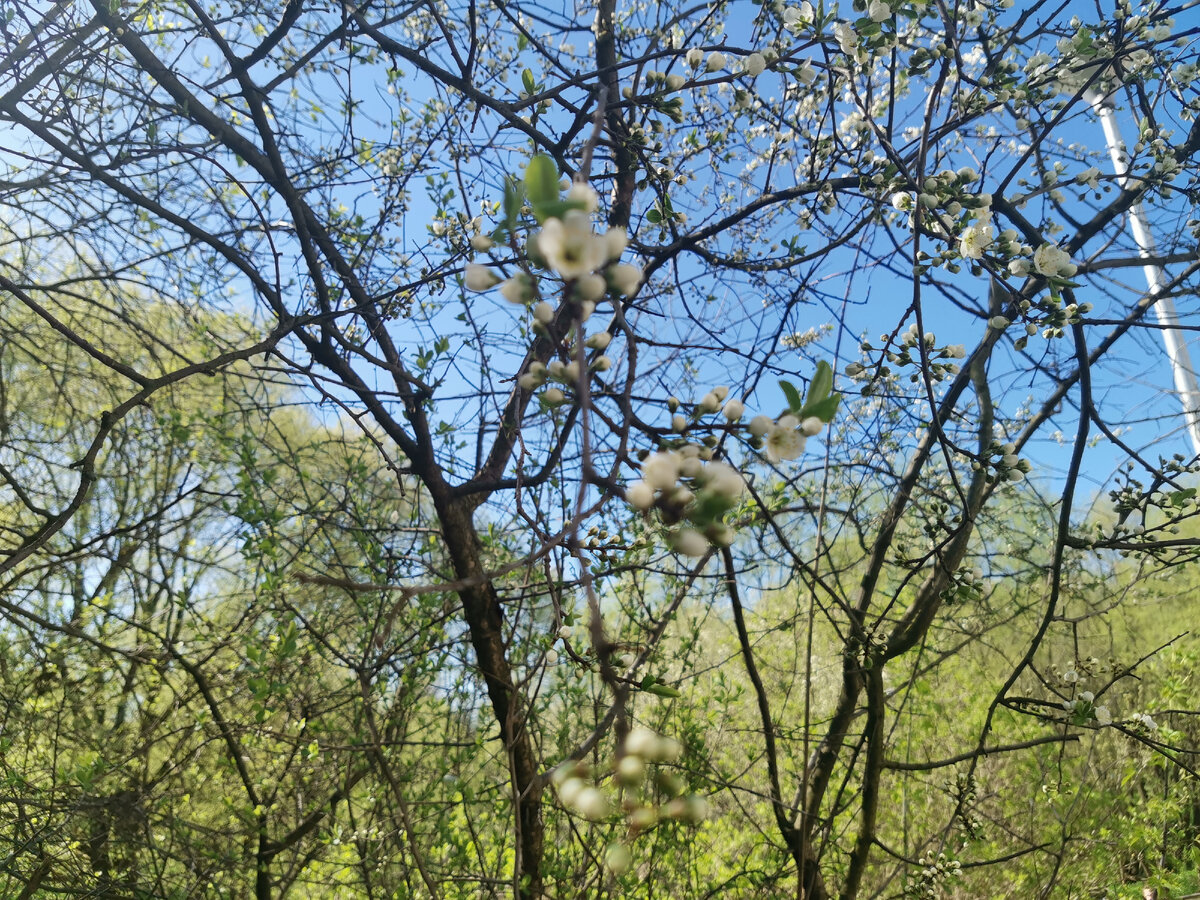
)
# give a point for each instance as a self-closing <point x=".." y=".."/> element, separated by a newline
<point x="1164" y="307"/>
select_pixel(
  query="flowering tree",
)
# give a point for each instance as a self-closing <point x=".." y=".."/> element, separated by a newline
<point x="681" y="374"/>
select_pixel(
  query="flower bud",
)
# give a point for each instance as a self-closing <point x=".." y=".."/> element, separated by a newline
<point x="592" y="804"/>
<point x="618" y="858"/>
<point x="639" y="495"/>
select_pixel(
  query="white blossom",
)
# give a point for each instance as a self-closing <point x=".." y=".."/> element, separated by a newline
<point x="690" y="542"/>
<point x="639" y="495"/>
<point x="625" y="278"/>
<point x="615" y="242"/>
<point x="975" y="240"/>
<point x="661" y="470"/>
<point x="811" y="426"/>
<point x="784" y="441"/>
<point x="585" y="194"/>
<point x="592" y="804"/>
<point x="846" y="38"/>
<point x="518" y="289"/>
<point x="590" y="287"/>
<point x="569" y="245"/>
<point x="723" y="479"/>
<point x="480" y="278"/>
<point x="1052" y="261"/>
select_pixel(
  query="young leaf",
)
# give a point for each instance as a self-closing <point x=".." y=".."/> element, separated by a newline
<point x="821" y="384"/>
<point x="793" y="396"/>
<point x="541" y="181"/>
<point x="512" y="203"/>
<point x="824" y="410"/>
<point x="663" y="690"/>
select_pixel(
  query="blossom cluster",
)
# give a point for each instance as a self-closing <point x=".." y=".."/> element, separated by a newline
<point x="578" y="790"/>
<point x="568" y="248"/>
<point x="681" y="481"/>
<point x="1083" y="710"/>
<point x="784" y="438"/>
<point x="917" y="350"/>
<point x="935" y="870"/>
<point x="1007" y="464"/>
<point x="685" y="484"/>
<point x="1143" y="721"/>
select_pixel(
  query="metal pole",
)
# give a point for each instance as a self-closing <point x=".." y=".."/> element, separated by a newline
<point x="1164" y="307"/>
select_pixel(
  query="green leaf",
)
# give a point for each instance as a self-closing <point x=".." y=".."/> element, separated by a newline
<point x="663" y="690"/>
<point x="821" y="384"/>
<point x="1178" y="497"/>
<point x="528" y="82"/>
<point x="541" y="181"/>
<point x="512" y="203"/>
<point x="653" y="216"/>
<point x="824" y="410"/>
<point x="556" y="209"/>
<point x="793" y="396"/>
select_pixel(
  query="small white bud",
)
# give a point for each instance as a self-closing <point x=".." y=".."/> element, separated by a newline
<point x="625" y="278"/>
<point x="639" y="495"/>
<point x="690" y="542"/>
<point x="618" y="858"/>
<point x="592" y="804"/>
